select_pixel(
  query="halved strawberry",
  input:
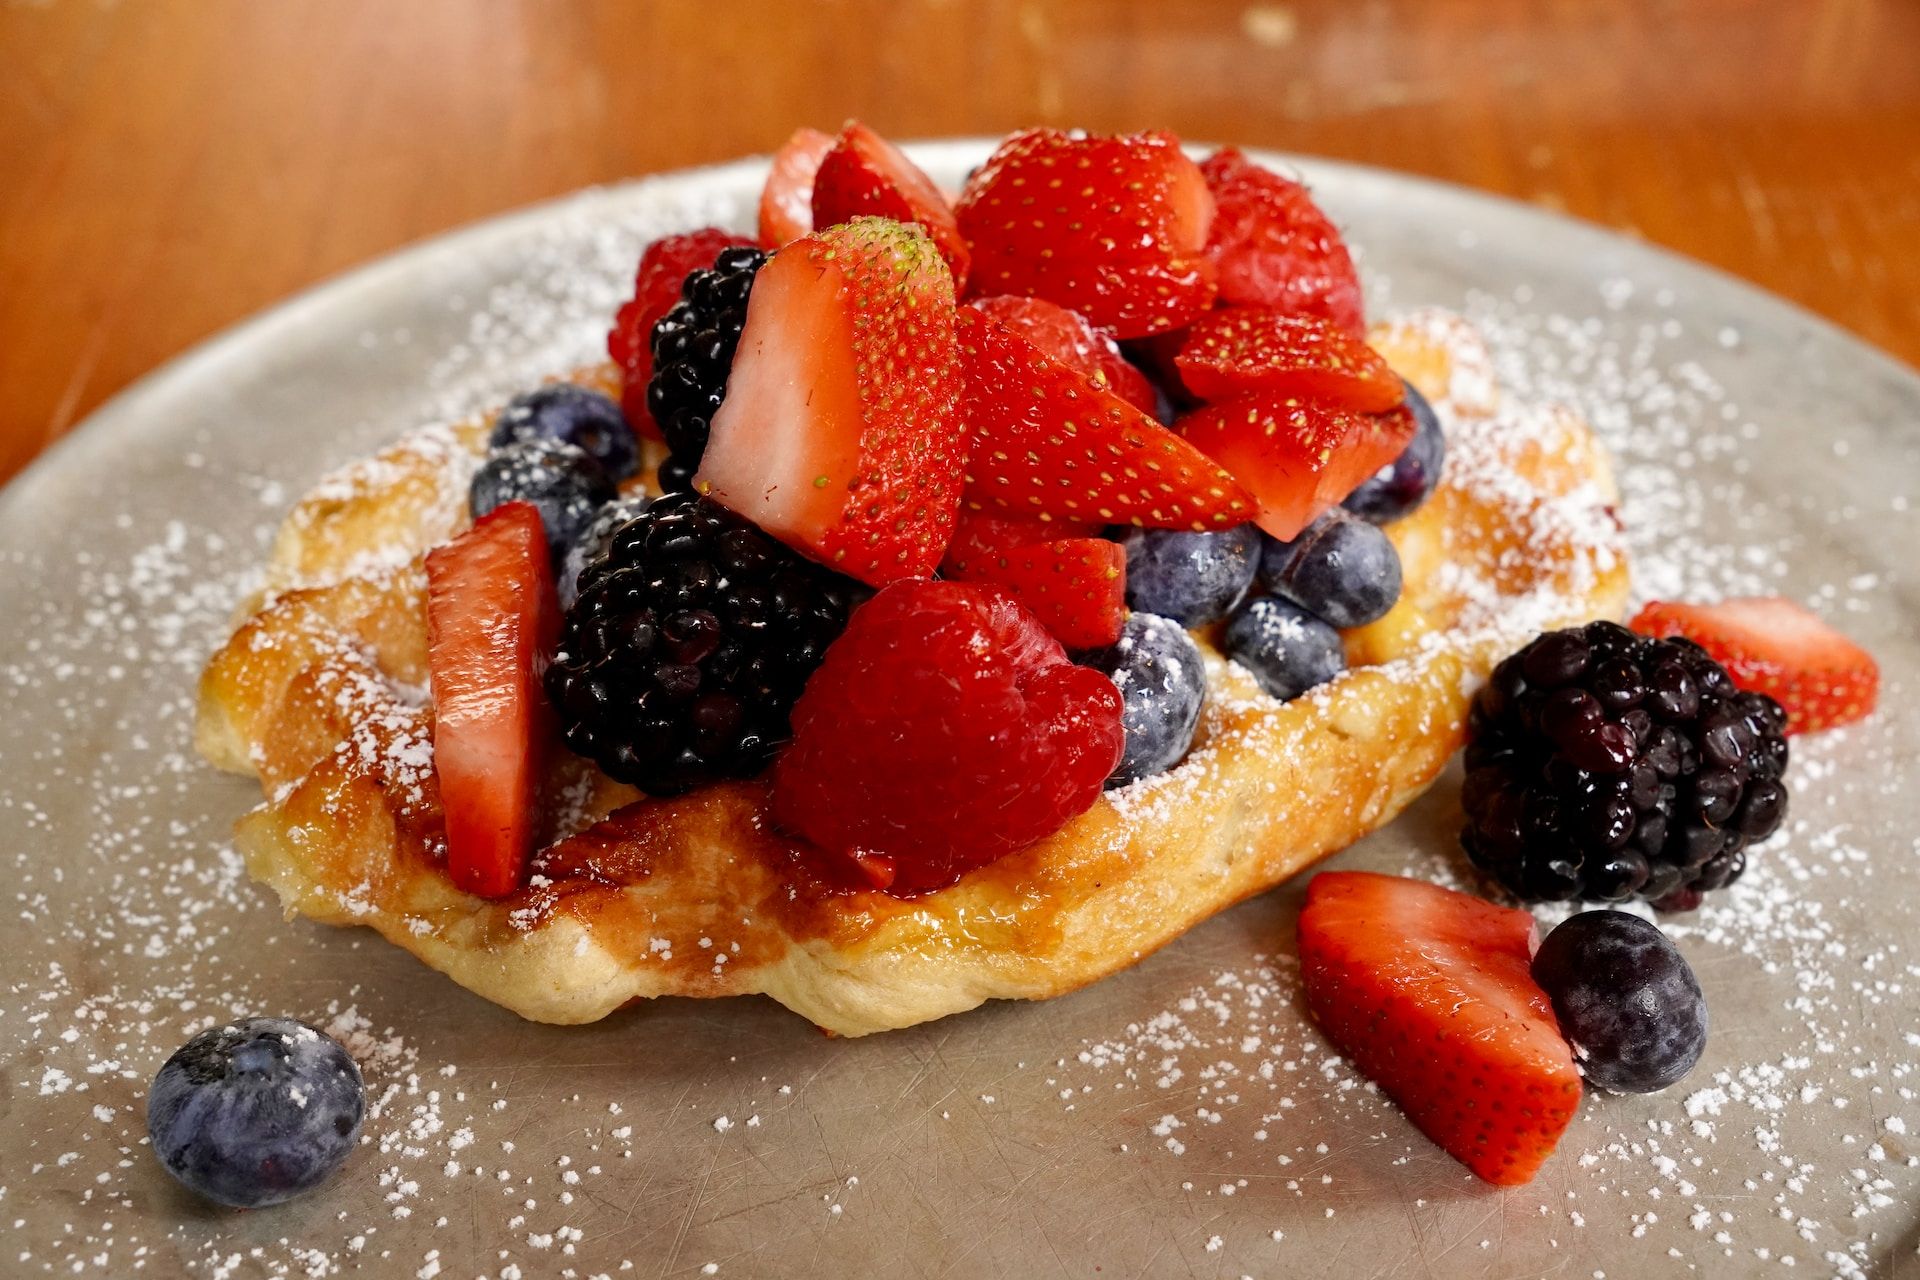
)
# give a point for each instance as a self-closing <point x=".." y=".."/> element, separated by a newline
<point x="1428" y="992"/>
<point x="1298" y="458"/>
<point x="786" y="202"/>
<point x="1112" y="227"/>
<point x="1047" y="442"/>
<point x="1273" y="247"/>
<point x="1132" y="299"/>
<point x="864" y="175"/>
<point x="1067" y="337"/>
<point x="664" y="267"/>
<point x="978" y="535"/>
<point x="841" y="433"/>
<point x="1077" y="587"/>
<point x="492" y="623"/>
<point x="1776" y="647"/>
<point x="1241" y="349"/>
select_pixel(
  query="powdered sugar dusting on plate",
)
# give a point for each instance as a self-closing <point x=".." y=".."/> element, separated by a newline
<point x="729" y="1138"/>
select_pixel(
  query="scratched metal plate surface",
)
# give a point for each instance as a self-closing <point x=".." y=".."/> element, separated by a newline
<point x="1016" y="1140"/>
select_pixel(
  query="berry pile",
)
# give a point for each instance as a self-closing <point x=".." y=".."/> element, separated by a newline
<point x="1607" y="765"/>
<point x="664" y="269"/>
<point x="889" y="389"/>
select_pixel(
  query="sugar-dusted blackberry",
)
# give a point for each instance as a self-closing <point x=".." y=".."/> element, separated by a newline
<point x="693" y="346"/>
<point x="691" y="638"/>
<point x="1607" y="766"/>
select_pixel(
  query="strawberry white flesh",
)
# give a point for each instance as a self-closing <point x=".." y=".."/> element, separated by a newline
<point x="841" y="432"/>
<point x="785" y="441"/>
<point x="492" y="622"/>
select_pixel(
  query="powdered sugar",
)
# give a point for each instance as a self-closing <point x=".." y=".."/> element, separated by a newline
<point x="1182" y="1115"/>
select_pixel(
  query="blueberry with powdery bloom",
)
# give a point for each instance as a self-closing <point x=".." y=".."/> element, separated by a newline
<point x="1192" y="578"/>
<point x="1398" y="489"/>
<point x="562" y="481"/>
<point x="1286" y="649"/>
<point x="1340" y="569"/>
<point x="571" y="415"/>
<point x="256" y="1112"/>
<point x="1626" y="999"/>
<point x="1162" y="681"/>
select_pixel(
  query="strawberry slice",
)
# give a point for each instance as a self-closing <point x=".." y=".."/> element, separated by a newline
<point x="664" y="267"/>
<point x="1775" y="647"/>
<point x="1241" y="349"/>
<point x="492" y="623"/>
<point x="864" y="175"/>
<point x="841" y="433"/>
<point x="1273" y="247"/>
<point x="1076" y="587"/>
<point x="1427" y="991"/>
<point x="1112" y="227"/>
<point x="1298" y="458"/>
<point x="1067" y="337"/>
<point x="1047" y="442"/>
<point x="980" y="536"/>
<point x="786" y="202"/>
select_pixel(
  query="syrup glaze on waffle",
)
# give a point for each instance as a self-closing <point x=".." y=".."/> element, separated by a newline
<point x="320" y="693"/>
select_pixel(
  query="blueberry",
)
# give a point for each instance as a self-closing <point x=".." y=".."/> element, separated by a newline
<point x="566" y="484"/>
<point x="594" y="542"/>
<point x="572" y="415"/>
<point x="256" y="1112"/>
<point x="1340" y="569"/>
<point x="1192" y="578"/>
<point x="1399" y="488"/>
<point x="1162" y="683"/>
<point x="1626" y="999"/>
<point x="1287" y="649"/>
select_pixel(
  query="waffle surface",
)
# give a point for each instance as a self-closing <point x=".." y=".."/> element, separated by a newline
<point x="320" y="694"/>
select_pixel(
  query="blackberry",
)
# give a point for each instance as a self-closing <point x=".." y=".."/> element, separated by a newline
<point x="1606" y="766"/>
<point x="692" y="636"/>
<point x="693" y="346"/>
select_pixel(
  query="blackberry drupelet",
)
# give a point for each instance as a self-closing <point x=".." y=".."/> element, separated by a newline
<point x="1606" y="766"/>
<point x="693" y="346"/>
<point x="691" y="638"/>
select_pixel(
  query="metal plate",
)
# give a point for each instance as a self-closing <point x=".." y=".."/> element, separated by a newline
<point x="1179" y="1119"/>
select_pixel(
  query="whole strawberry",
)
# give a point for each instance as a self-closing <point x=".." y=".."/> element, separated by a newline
<point x="1114" y="228"/>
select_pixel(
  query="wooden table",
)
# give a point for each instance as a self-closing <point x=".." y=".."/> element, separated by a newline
<point x="168" y="166"/>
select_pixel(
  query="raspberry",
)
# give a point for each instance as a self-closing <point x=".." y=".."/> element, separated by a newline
<point x="944" y="730"/>
<point x="1273" y="247"/>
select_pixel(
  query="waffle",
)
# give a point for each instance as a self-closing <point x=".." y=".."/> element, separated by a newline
<point x="321" y="694"/>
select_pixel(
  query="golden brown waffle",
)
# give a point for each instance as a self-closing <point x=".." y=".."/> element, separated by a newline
<point x="320" y="693"/>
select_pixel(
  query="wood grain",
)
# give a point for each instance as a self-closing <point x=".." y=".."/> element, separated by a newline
<point x="169" y="166"/>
